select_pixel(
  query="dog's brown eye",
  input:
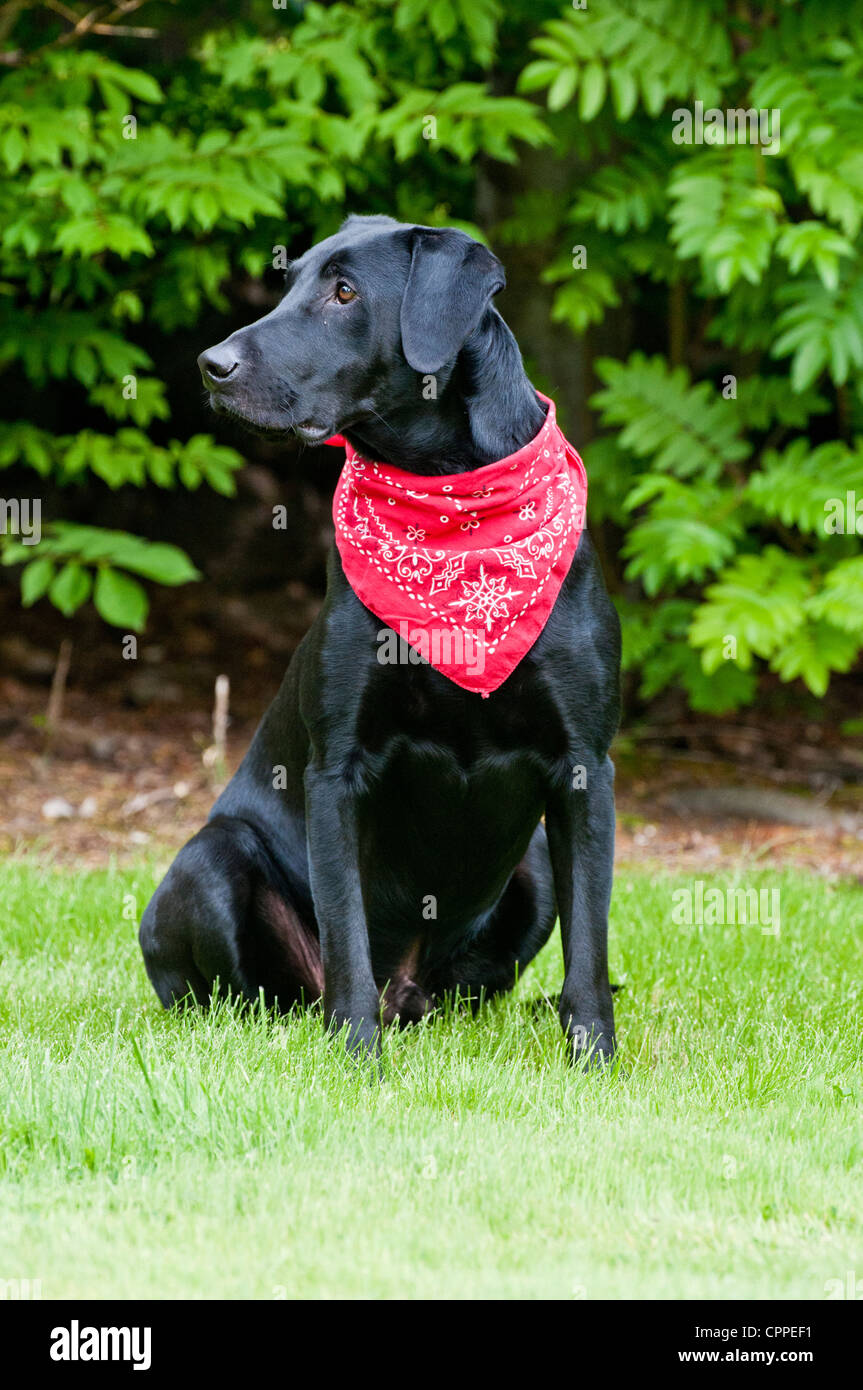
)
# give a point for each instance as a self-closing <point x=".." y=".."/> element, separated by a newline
<point x="345" y="292"/>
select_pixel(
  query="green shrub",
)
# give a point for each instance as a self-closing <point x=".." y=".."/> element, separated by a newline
<point x="726" y="444"/>
<point x="728" y="488"/>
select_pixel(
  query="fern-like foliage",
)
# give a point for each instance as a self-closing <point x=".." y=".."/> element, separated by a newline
<point x="684" y="429"/>
<point x="735" y="471"/>
<point x="726" y="277"/>
<point x="637" y="51"/>
<point x="805" y="485"/>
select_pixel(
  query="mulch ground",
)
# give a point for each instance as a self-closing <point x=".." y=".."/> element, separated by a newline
<point x="118" y="783"/>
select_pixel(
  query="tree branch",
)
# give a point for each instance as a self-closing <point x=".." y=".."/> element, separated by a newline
<point x="99" y="20"/>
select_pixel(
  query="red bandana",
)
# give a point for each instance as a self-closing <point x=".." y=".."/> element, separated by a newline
<point x="464" y="568"/>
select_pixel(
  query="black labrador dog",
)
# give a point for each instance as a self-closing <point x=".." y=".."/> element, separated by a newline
<point x="369" y="789"/>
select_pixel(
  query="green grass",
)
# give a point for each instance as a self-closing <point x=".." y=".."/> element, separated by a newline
<point x="143" y="1155"/>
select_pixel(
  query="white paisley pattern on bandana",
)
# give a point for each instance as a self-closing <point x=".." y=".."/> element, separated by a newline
<point x="484" y="551"/>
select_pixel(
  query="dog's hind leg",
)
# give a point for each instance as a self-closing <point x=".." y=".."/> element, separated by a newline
<point x="219" y="919"/>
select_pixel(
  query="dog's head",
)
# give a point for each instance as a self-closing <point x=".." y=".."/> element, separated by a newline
<point x="363" y="313"/>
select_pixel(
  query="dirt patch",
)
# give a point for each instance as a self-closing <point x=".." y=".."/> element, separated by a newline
<point x="116" y="783"/>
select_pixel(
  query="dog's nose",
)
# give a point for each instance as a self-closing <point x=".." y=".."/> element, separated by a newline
<point x="217" y="364"/>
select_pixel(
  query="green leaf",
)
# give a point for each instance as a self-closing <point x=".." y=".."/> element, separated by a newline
<point x="683" y="429"/>
<point x="689" y="530"/>
<point x="121" y="600"/>
<point x="562" y="89"/>
<point x="36" y="579"/>
<point x="166" y="564"/>
<point x="840" y="599"/>
<point x="821" y="327"/>
<point x="813" y="651"/>
<point x="807" y="486"/>
<point x="592" y="92"/>
<point x="70" y="588"/>
<point x="758" y="602"/>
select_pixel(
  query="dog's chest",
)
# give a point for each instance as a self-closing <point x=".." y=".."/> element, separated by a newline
<point x="434" y="826"/>
<point x="453" y="784"/>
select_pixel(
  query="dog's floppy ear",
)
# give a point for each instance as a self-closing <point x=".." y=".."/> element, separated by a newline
<point x="451" y="280"/>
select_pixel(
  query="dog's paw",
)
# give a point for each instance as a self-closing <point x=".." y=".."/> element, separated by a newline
<point x="596" y="1055"/>
<point x="592" y="1045"/>
<point x="360" y="1037"/>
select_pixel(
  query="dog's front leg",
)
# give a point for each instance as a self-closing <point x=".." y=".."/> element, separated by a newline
<point x="350" y="995"/>
<point x="580" y="826"/>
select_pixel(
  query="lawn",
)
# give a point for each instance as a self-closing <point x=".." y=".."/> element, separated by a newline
<point x="150" y="1156"/>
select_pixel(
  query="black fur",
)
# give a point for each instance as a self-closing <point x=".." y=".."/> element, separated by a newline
<point x="402" y="788"/>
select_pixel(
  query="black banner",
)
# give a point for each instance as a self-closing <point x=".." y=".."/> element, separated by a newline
<point x="82" y="1339"/>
